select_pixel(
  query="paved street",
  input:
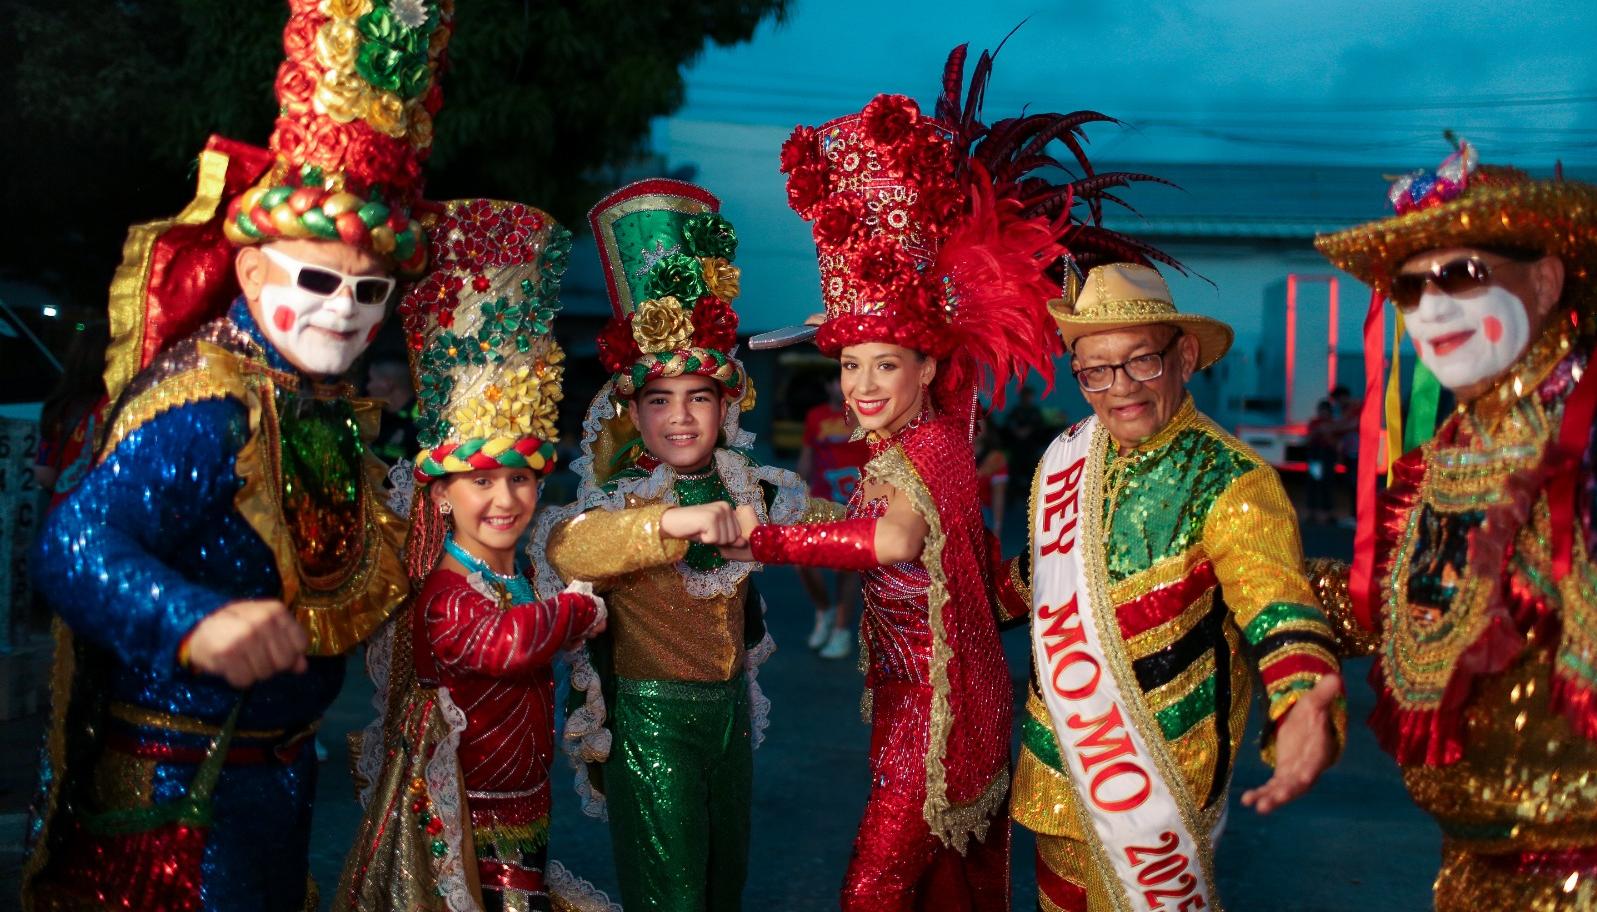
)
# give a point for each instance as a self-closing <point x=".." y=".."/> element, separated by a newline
<point x="1354" y="843"/>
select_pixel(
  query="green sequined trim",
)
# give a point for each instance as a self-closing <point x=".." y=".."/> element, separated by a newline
<point x="692" y="691"/>
<point x="1179" y="717"/>
<point x="1038" y="738"/>
<point x="692" y="492"/>
<point x="1537" y="578"/>
<point x="1162" y="497"/>
<point x="1279" y="613"/>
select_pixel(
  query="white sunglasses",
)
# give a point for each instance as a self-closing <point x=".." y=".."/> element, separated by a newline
<point x="324" y="282"/>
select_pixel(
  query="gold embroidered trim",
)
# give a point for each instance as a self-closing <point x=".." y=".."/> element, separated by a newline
<point x="211" y="379"/>
<point x="149" y="718"/>
<point x="130" y="284"/>
<point x="339" y="617"/>
<point x="1162" y="573"/>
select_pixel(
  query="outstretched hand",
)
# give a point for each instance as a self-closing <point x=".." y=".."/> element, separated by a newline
<point x="1305" y="746"/>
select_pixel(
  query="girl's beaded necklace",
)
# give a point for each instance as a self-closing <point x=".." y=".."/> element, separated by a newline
<point x="516" y="585"/>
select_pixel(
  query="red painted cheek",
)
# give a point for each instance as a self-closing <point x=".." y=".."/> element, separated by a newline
<point x="1493" y="328"/>
<point x="283" y="319"/>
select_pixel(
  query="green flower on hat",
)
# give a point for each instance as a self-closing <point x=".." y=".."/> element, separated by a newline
<point x="393" y="56"/>
<point x="501" y="318"/>
<point x="678" y="275"/>
<point x="709" y="234"/>
<point x="435" y="388"/>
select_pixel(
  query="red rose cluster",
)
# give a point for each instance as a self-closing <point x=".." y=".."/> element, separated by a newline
<point x="368" y="159"/>
<point x="882" y="189"/>
<point x="618" y="351"/>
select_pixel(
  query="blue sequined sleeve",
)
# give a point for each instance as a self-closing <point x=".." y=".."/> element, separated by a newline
<point x="111" y="559"/>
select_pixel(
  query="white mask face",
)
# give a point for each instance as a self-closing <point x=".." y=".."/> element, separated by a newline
<point x="1467" y="340"/>
<point x="320" y="335"/>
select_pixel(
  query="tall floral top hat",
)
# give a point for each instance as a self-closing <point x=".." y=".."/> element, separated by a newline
<point x="1466" y="204"/>
<point x="667" y="255"/>
<point x="356" y="93"/>
<point x="356" y="96"/>
<point x="937" y="234"/>
<point x="480" y="331"/>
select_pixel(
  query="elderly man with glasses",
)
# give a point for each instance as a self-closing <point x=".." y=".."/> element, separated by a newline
<point x="1165" y="568"/>
<point x="1475" y="573"/>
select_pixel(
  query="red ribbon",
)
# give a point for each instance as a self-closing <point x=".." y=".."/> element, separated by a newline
<point x="496" y="875"/>
<point x="1574" y="433"/>
<point x="1360" y="578"/>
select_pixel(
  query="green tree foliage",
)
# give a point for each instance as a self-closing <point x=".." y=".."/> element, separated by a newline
<point x="108" y="101"/>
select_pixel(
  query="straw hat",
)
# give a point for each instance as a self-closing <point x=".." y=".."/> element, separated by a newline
<point x="1123" y="296"/>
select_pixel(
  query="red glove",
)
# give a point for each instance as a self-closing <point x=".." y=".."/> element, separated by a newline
<point x="848" y="544"/>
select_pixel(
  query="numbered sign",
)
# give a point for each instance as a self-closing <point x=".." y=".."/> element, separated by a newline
<point x="20" y="514"/>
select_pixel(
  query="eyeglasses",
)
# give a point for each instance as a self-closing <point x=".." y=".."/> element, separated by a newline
<point x="1454" y="277"/>
<point x="324" y="282"/>
<point x="1140" y="369"/>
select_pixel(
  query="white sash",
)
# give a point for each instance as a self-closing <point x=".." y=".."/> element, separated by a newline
<point x="1115" y="756"/>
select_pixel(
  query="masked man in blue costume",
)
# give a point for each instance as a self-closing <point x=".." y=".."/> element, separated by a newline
<point x="229" y="548"/>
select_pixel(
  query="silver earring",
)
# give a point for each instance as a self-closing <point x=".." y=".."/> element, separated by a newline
<point x="445" y="508"/>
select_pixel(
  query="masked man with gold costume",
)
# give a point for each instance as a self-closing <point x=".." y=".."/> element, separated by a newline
<point x="1474" y="578"/>
<point x="229" y="548"/>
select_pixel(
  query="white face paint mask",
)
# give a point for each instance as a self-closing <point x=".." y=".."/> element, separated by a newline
<point x="320" y="335"/>
<point x="1467" y="340"/>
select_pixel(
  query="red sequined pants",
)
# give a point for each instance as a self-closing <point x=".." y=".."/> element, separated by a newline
<point x="898" y="865"/>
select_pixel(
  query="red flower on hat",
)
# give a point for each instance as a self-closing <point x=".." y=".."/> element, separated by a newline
<point x="930" y="157"/>
<point x="800" y="150"/>
<point x="940" y="204"/>
<point x="839" y="220"/>
<point x="296" y="85"/>
<point x="299" y="36"/>
<point x="433" y="101"/>
<point x="289" y="138"/>
<point x="805" y="188"/>
<point x="715" y="324"/>
<point x="326" y="143"/>
<point x="377" y="160"/>
<point x="889" y="119"/>
<point x="617" y="349"/>
<point x="884" y="269"/>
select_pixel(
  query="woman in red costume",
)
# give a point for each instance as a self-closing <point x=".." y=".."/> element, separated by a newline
<point x="935" y="251"/>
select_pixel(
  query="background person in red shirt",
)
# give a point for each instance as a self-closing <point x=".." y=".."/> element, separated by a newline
<point x="992" y="471"/>
<point x="830" y="462"/>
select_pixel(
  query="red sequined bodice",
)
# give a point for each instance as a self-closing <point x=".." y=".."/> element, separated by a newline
<point x="896" y="625"/>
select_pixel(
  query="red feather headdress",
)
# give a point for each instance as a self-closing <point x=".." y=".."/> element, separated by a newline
<point x="943" y="235"/>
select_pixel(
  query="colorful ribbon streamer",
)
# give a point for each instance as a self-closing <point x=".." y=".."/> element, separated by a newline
<point x="1425" y="392"/>
<point x="1360" y="577"/>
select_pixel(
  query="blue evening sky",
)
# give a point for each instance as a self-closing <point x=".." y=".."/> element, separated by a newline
<point x="1321" y="81"/>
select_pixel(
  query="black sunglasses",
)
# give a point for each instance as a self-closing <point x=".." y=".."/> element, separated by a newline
<point x="1454" y="277"/>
